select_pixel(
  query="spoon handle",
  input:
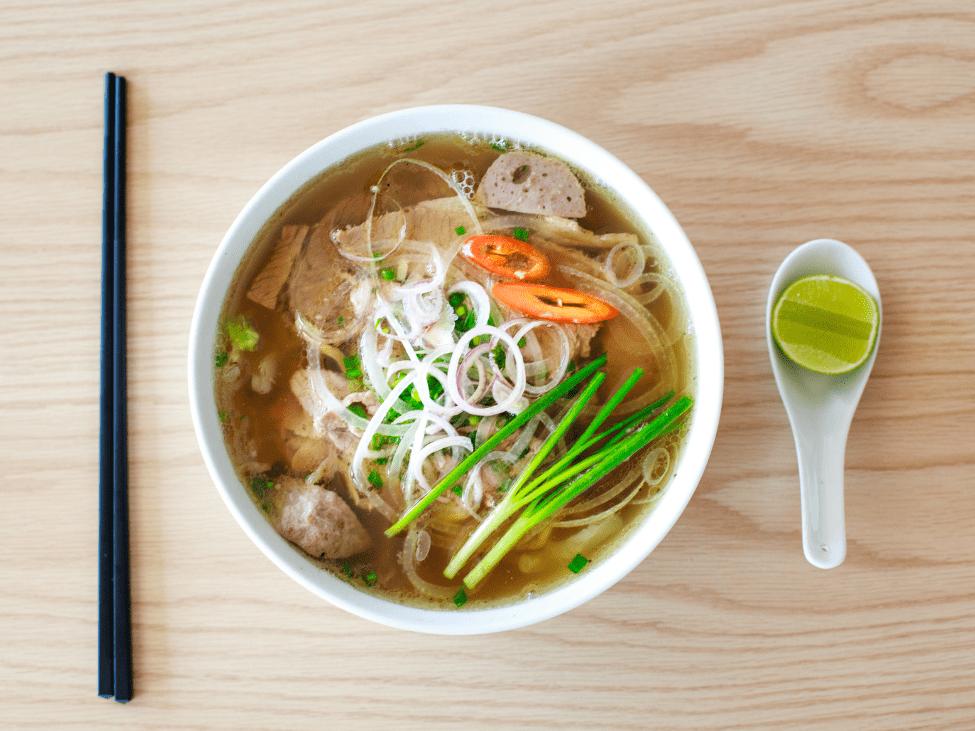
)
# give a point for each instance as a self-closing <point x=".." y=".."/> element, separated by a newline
<point x="821" y="459"/>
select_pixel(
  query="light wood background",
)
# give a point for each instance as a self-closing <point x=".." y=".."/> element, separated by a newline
<point x="761" y="123"/>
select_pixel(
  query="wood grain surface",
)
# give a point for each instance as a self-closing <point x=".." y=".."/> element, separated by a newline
<point x="761" y="123"/>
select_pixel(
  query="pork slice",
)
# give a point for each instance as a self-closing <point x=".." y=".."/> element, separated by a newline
<point x="266" y="287"/>
<point x="580" y="339"/>
<point x="526" y="182"/>
<point x="319" y="521"/>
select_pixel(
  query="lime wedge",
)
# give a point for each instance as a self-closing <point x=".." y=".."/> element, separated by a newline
<point x="826" y="324"/>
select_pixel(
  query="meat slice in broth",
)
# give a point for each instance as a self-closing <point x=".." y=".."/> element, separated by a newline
<point x="319" y="521"/>
<point x="526" y="182"/>
<point x="267" y="285"/>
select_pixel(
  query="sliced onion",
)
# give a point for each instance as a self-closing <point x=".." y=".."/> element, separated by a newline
<point x="639" y="264"/>
<point x="650" y="466"/>
<point x="455" y="444"/>
<point x="633" y="487"/>
<point x="409" y="561"/>
<point x="333" y="405"/>
<point x="375" y="427"/>
<point x="479" y="299"/>
<point x="564" y="353"/>
<point x="452" y="380"/>
<point x="646" y="324"/>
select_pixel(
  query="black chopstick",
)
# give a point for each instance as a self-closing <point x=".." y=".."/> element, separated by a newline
<point x="114" y="618"/>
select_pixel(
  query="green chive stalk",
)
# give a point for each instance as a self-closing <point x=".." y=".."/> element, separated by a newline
<point x="546" y="505"/>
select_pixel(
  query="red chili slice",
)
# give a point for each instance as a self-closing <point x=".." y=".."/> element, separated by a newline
<point x="553" y="303"/>
<point x="506" y="256"/>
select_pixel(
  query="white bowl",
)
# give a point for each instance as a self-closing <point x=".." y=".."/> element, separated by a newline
<point x="532" y="132"/>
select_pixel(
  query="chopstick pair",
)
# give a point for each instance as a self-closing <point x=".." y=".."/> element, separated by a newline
<point x="114" y="619"/>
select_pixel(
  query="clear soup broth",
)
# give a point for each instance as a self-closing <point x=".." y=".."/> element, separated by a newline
<point x="363" y="280"/>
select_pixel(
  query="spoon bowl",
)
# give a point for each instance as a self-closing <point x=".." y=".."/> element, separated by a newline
<point x="821" y="407"/>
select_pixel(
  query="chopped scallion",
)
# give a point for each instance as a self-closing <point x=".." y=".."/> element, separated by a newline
<point x="578" y="563"/>
<point x="520" y="233"/>
<point x="242" y="333"/>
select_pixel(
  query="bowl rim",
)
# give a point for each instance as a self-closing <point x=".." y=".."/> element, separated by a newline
<point x="538" y="133"/>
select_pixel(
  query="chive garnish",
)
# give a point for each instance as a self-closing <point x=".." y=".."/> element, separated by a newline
<point x="545" y="502"/>
<point x="578" y="563"/>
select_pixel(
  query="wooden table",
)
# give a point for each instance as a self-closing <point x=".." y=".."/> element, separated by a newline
<point x="761" y="123"/>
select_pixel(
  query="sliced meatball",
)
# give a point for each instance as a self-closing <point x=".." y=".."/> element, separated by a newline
<point x="529" y="183"/>
<point x="319" y="521"/>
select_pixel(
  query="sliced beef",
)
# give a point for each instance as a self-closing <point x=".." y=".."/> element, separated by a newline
<point x="267" y="285"/>
<point x="319" y="521"/>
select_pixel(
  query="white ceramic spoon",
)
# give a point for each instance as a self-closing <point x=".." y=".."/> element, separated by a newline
<point x="820" y="407"/>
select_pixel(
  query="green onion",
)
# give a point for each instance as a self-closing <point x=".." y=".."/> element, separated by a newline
<point x="375" y="480"/>
<point x="388" y="274"/>
<point x="368" y="576"/>
<point x="497" y="352"/>
<point x="359" y="410"/>
<point x="521" y="234"/>
<point x="456" y="299"/>
<point x="578" y="563"/>
<point x="347" y="570"/>
<point x="540" y="404"/>
<point x="242" y="333"/>
<point x="460" y="230"/>
<point x="508" y="506"/>
<point x="220" y="359"/>
<point x="353" y="373"/>
<point x="460" y="598"/>
<point x="415" y="146"/>
<point x="543" y="506"/>
<point x="457" y="489"/>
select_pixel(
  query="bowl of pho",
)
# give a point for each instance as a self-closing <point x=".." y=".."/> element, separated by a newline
<point x="456" y="369"/>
